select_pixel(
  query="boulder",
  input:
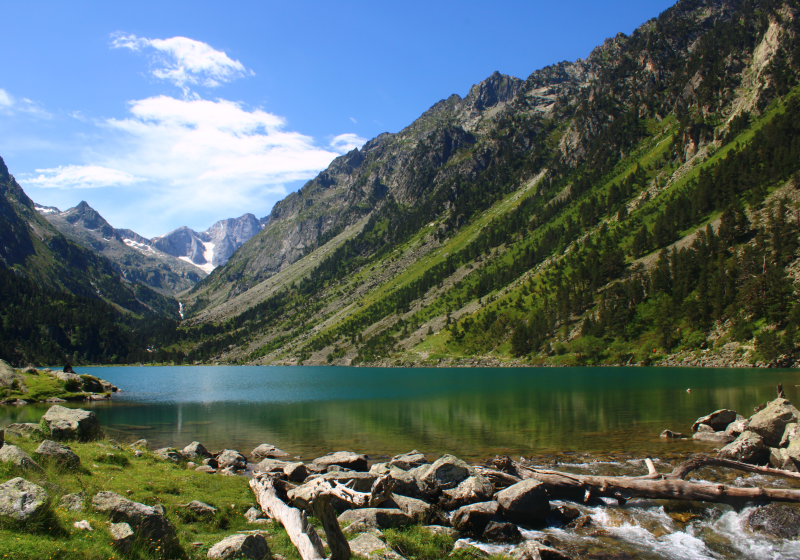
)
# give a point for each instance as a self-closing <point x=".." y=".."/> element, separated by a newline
<point x="779" y="459"/>
<point x="271" y="465"/>
<point x="122" y="537"/>
<point x="254" y="515"/>
<point x="704" y="428"/>
<point x="718" y="420"/>
<point x="442" y="530"/>
<point x="790" y="434"/>
<point x="206" y="469"/>
<point x="371" y="547"/>
<point x="168" y="454"/>
<point x="409" y="460"/>
<point x="443" y="474"/>
<point x="476" y="488"/>
<point x="200" y="509"/>
<point x="72" y="502"/>
<point x="195" y="450"/>
<point x="72" y="423"/>
<point x="230" y="458"/>
<point x="777" y="520"/>
<point x="267" y="451"/>
<point x="140" y="444"/>
<point x="21" y="500"/>
<point x="385" y="468"/>
<point x="737" y="428"/>
<point x="771" y="422"/>
<point x="7" y="374"/>
<point x="376" y="518"/>
<point x="467" y="549"/>
<point x="147" y="522"/>
<point x="532" y="550"/>
<point x="712" y="437"/>
<point x="749" y="447"/>
<point x="16" y="456"/>
<point x="25" y="429"/>
<point x="62" y="455"/>
<point x="296" y="472"/>
<point x="474" y="518"/>
<point x="346" y="459"/>
<point x="211" y="462"/>
<point x="253" y="547"/>
<point x="420" y="510"/>
<point x="524" y="502"/>
<point x="501" y="533"/>
<point x="407" y="483"/>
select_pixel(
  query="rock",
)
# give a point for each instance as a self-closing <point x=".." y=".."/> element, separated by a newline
<point x="371" y="547"/>
<point x="524" y="502"/>
<point x="211" y="462"/>
<point x="749" y="447"/>
<point x="195" y="450"/>
<point x="777" y="520"/>
<point x="464" y="547"/>
<point x="83" y="525"/>
<point x="254" y="515"/>
<point x="296" y="472"/>
<point x="502" y="533"/>
<point x="377" y="518"/>
<point x="230" y="458"/>
<point x="408" y="460"/>
<point x="704" y="429"/>
<point x="474" y="489"/>
<point x="385" y="468"/>
<point x="16" y="456"/>
<point x="779" y="459"/>
<point x="62" y="455"/>
<point x="7" y="374"/>
<point x="206" y="469"/>
<point x="55" y="400"/>
<point x="771" y="422"/>
<point x="712" y="437"/>
<point x="191" y="465"/>
<point x="419" y="510"/>
<point x="168" y="454"/>
<point x="532" y="550"/>
<point x="122" y="537"/>
<point x="200" y="509"/>
<point x="445" y="473"/>
<point x="669" y="434"/>
<point x="72" y="502"/>
<point x="271" y="465"/>
<point x="441" y="530"/>
<point x="790" y="433"/>
<point x="21" y="500"/>
<point x="227" y="471"/>
<point x="25" y="429"/>
<point x="346" y="459"/>
<point x="267" y="451"/>
<point x="147" y="522"/>
<point x="737" y="428"/>
<point x="140" y="444"/>
<point x="71" y="423"/>
<point x="408" y="484"/>
<point x="253" y="547"/>
<point x="566" y="513"/>
<point x="718" y="420"/>
<point x="474" y="518"/>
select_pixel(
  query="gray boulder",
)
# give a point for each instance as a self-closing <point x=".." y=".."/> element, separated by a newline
<point x="148" y="523"/>
<point x="407" y="483"/>
<point x="385" y="468"/>
<point x="267" y="451"/>
<point x="24" y="429"/>
<point x="790" y="434"/>
<point x="476" y="488"/>
<point x="524" y="502"/>
<point x="168" y="454"/>
<point x="200" y="509"/>
<point x="271" y="465"/>
<point x="737" y="428"/>
<point x="420" y="510"/>
<point x="501" y="533"/>
<point x="59" y="454"/>
<point x="771" y="422"/>
<point x="346" y="459"/>
<point x="443" y="474"/>
<point x="16" y="456"/>
<point x="371" y="547"/>
<point x="376" y="518"/>
<point x="442" y="530"/>
<point x="230" y="458"/>
<point x="749" y="447"/>
<point x="464" y="548"/>
<point x="254" y="515"/>
<point x="195" y="450"/>
<point x="7" y="374"/>
<point x="779" y="459"/>
<point x="122" y="537"/>
<point x="409" y="460"/>
<point x="474" y="518"/>
<point x="21" y="500"/>
<point x="72" y="423"/>
<point x="72" y="502"/>
<point x="777" y="520"/>
<point x="712" y="437"/>
<point x="532" y="550"/>
<point x="296" y="472"/>
<point x="253" y="547"/>
<point x="717" y="420"/>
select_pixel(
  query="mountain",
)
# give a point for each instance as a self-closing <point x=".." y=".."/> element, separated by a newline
<point x="607" y="210"/>
<point x="133" y="256"/>
<point x="213" y="247"/>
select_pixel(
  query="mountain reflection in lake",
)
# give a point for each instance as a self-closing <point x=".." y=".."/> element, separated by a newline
<point x="471" y="412"/>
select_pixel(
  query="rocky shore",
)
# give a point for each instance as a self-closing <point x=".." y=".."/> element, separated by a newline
<point x="30" y="385"/>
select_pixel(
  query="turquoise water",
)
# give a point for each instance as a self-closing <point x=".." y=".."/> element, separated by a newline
<point x="471" y="412"/>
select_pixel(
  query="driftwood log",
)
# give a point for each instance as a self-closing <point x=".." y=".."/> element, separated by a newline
<point x="270" y="491"/>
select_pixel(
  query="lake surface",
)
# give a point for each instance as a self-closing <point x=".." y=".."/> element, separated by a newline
<point x="473" y="413"/>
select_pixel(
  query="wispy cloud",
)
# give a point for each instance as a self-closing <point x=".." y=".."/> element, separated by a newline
<point x="184" y="61"/>
<point x="344" y="143"/>
<point x="10" y="105"/>
<point x="354" y="121"/>
<point x="80" y="177"/>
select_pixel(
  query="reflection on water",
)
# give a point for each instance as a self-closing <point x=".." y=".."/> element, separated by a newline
<point x="473" y="413"/>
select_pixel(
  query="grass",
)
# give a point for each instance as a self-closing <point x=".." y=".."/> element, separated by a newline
<point x="41" y="386"/>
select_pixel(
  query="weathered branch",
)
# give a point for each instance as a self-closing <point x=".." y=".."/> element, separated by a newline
<point x="699" y="462"/>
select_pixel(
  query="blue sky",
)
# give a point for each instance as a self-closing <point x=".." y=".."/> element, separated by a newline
<point x="163" y="114"/>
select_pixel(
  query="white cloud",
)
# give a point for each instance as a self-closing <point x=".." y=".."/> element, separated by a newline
<point x="344" y="143"/>
<point x="354" y="121"/>
<point x="9" y="105"/>
<point x="184" y="61"/>
<point x="6" y="101"/>
<point x="80" y="177"/>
